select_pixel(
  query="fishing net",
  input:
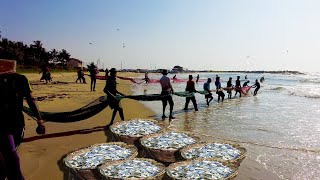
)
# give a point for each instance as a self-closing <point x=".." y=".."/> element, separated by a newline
<point x="97" y="106"/>
<point x="85" y="112"/>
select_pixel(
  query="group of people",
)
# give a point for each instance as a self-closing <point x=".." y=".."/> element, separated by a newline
<point x="167" y="90"/>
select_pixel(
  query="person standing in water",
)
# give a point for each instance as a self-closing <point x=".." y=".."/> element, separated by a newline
<point x="111" y="90"/>
<point x="219" y="91"/>
<point x="197" y="78"/>
<point x="166" y="92"/>
<point x="246" y="77"/>
<point x="230" y="87"/>
<point x="238" y="86"/>
<point x="191" y="89"/>
<point x="146" y="77"/>
<point x="13" y="89"/>
<point x="206" y="87"/>
<point x="262" y="79"/>
<point x="257" y="86"/>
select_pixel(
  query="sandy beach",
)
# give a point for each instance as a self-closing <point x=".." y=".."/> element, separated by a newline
<point x="42" y="156"/>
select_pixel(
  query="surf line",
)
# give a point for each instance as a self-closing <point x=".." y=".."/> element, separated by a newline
<point x="171" y="127"/>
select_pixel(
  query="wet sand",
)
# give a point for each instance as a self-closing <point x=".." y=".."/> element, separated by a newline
<point x="42" y="156"/>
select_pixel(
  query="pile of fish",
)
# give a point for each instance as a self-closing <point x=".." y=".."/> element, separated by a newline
<point x="201" y="170"/>
<point x="169" y="140"/>
<point x="137" y="127"/>
<point x="134" y="168"/>
<point x="213" y="150"/>
<point x="97" y="155"/>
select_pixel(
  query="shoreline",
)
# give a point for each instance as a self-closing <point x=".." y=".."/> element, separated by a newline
<point x="42" y="156"/>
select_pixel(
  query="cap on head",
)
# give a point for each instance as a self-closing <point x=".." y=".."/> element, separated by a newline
<point x="113" y="70"/>
<point x="209" y="79"/>
<point x="164" y="72"/>
<point x="190" y="76"/>
<point x="7" y="66"/>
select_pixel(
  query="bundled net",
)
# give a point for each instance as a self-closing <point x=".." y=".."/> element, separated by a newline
<point x="85" y="112"/>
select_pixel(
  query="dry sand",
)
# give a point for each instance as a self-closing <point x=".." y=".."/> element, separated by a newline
<point x="42" y="156"/>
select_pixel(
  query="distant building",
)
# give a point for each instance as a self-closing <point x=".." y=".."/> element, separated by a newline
<point x="74" y="63"/>
<point x="177" y="69"/>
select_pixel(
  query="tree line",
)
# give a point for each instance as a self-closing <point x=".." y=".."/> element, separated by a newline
<point x="33" y="55"/>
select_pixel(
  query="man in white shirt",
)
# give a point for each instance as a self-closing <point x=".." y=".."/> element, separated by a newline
<point x="166" y="92"/>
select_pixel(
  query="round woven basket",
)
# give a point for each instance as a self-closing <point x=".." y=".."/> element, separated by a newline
<point x="130" y="139"/>
<point x="158" y="176"/>
<point x="236" y="161"/>
<point x="164" y="155"/>
<point x="184" y="163"/>
<point x="92" y="173"/>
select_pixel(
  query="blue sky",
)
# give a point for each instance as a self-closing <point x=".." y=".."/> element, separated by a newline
<point x="196" y="34"/>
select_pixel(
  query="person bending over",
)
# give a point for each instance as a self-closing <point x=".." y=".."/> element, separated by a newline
<point x="245" y="84"/>
<point x="206" y="87"/>
<point x="257" y="86"/>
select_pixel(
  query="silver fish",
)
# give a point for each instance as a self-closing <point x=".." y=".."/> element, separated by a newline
<point x="201" y="170"/>
<point x="131" y="169"/>
<point x="137" y="127"/>
<point x="214" y="150"/>
<point x="97" y="155"/>
<point x="169" y="140"/>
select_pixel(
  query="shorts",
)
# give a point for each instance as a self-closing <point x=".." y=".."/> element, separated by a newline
<point x="166" y="97"/>
<point x="209" y="95"/>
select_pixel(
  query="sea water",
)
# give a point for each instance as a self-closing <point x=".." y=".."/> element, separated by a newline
<point x="280" y="127"/>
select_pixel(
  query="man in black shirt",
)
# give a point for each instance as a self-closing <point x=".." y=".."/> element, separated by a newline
<point x="93" y="74"/>
<point x="13" y="88"/>
<point x="257" y="86"/>
<point x="238" y="86"/>
<point x="229" y="87"/>
<point x="111" y="90"/>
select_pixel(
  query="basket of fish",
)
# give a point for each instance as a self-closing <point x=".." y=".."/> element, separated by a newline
<point x="84" y="162"/>
<point x="223" y="151"/>
<point x="165" y="146"/>
<point x="201" y="169"/>
<point x="131" y="131"/>
<point x="135" y="168"/>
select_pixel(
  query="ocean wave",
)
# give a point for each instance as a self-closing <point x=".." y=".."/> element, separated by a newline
<point x="311" y="80"/>
<point x="279" y="88"/>
<point x="304" y="91"/>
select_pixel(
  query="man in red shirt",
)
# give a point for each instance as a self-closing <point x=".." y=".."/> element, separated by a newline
<point x="191" y="88"/>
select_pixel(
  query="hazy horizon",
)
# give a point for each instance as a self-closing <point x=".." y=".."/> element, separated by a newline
<point x="241" y="35"/>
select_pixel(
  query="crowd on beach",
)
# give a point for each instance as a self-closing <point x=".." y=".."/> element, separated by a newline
<point x="15" y="87"/>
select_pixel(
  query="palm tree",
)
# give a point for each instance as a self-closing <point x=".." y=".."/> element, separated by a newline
<point x="54" y="55"/>
<point x="64" y="57"/>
